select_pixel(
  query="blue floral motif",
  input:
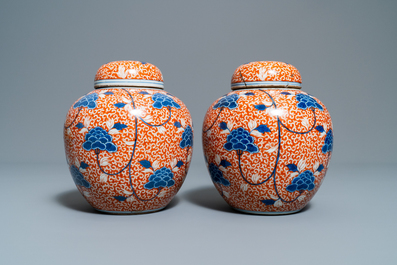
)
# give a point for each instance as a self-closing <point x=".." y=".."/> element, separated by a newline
<point x="229" y="101"/>
<point x="307" y="101"/>
<point x="217" y="175"/>
<point x="88" y="101"/>
<point x="161" y="100"/>
<point x="187" y="137"/>
<point x="304" y="181"/>
<point x="328" y="142"/>
<point x="99" y="139"/>
<point x="240" y="139"/>
<point x="78" y="177"/>
<point x="79" y="125"/>
<point x="160" y="179"/>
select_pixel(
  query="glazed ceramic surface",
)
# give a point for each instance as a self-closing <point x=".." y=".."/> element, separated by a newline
<point x="129" y="143"/>
<point x="267" y="146"/>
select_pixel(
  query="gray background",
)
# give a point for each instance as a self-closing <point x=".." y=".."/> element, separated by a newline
<point x="49" y="54"/>
<point x="345" y="51"/>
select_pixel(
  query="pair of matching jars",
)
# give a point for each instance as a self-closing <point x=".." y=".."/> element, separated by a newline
<point x="267" y="144"/>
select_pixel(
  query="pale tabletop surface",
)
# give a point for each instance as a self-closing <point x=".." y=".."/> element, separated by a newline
<point x="351" y="220"/>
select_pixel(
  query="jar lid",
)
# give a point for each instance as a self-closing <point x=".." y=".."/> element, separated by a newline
<point x="128" y="74"/>
<point x="268" y="74"/>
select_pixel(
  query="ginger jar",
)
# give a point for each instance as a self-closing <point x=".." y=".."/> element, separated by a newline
<point x="128" y="143"/>
<point x="267" y="144"/>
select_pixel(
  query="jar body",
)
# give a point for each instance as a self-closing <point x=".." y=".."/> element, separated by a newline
<point x="267" y="150"/>
<point x="128" y="149"/>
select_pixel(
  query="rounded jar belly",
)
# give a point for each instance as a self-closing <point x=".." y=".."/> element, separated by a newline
<point x="267" y="150"/>
<point x="128" y="149"/>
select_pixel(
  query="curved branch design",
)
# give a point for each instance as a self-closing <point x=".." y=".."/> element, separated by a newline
<point x="133" y="190"/>
<point x="159" y="125"/>
<point x="122" y="198"/>
<point x="275" y="168"/>
<point x="219" y="113"/>
<point x="280" y="125"/>
<point x="133" y="151"/>
<point x="239" y="153"/>
<point x="111" y="174"/>
<point x="101" y="139"/>
<point x="314" y="124"/>
<point x="78" y="112"/>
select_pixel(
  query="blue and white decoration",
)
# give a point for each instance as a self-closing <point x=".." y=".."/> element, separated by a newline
<point x="242" y="141"/>
<point x="99" y="140"/>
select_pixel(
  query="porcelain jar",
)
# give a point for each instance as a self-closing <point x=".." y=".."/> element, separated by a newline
<point x="267" y="144"/>
<point x="128" y="143"/>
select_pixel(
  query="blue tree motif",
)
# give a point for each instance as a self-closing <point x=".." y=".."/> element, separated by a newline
<point x="78" y="177"/>
<point x="240" y="139"/>
<point x="79" y="125"/>
<point x="229" y="101"/>
<point x="320" y="128"/>
<point x="217" y="175"/>
<point x="99" y="139"/>
<point x="328" y="142"/>
<point x="119" y="126"/>
<point x="88" y="101"/>
<point x="187" y="137"/>
<point x="161" y="178"/>
<point x="304" y="181"/>
<point x="307" y="101"/>
<point x="161" y="100"/>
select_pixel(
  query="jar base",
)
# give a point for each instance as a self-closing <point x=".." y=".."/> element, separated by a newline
<point x="130" y="212"/>
<point x="266" y="213"/>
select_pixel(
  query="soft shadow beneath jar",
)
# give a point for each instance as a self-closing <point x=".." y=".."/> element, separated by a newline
<point x="208" y="197"/>
<point x="75" y="201"/>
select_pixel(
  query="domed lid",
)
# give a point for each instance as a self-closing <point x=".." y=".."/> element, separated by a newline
<point x="268" y="74"/>
<point x="128" y="74"/>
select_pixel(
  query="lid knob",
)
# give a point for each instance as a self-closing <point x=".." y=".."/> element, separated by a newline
<point x="128" y="74"/>
<point x="268" y="74"/>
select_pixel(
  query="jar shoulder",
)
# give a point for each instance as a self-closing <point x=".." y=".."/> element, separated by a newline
<point x="249" y="100"/>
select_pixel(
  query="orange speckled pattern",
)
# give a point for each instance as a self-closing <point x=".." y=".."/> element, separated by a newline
<point x="129" y="70"/>
<point x="128" y="149"/>
<point x="266" y="71"/>
<point x="267" y="150"/>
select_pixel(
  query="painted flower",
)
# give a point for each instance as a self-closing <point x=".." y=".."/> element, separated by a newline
<point x="304" y="181"/>
<point x="240" y="139"/>
<point x="78" y="177"/>
<point x="160" y="179"/>
<point x="307" y="101"/>
<point x="187" y="137"/>
<point x="88" y="101"/>
<point x="161" y="100"/>
<point x="229" y="101"/>
<point x="328" y="142"/>
<point x="217" y="175"/>
<point x="99" y="139"/>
